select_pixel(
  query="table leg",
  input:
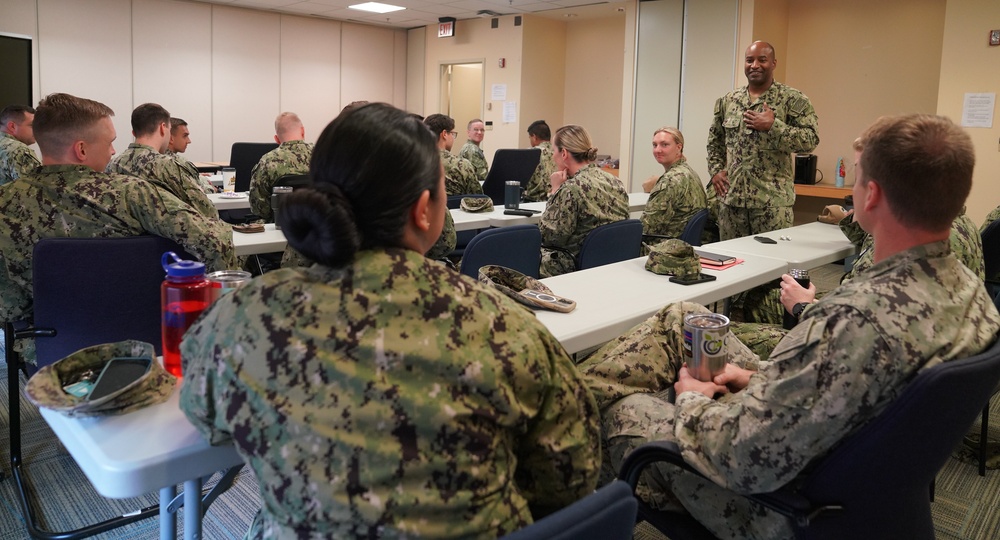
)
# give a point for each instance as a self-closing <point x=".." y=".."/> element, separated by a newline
<point x="168" y="521"/>
<point x="192" y="509"/>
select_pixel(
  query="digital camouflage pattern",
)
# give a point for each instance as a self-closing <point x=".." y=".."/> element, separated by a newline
<point x="73" y="201"/>
<point x="539" y="184"/>
<point x="291" y="157"/>
<point x="474" y="153"/>
<point x="510" y="282"/>
<point x="476" y="204"/>
<point x="45" y="388"/>
<point x="447" y="241"/>
<point x="145" y="162"/>
<point x="677" y="196"/>
<point x="16" y="159"/>
<point x="202" y="182"/>
<point x="583" y="202"/>
<point x="391" y="398"/>
<point x="711" y="232"/>
<point x="459" y="176"/>
<point x="852" y="353"/>
<point x="735" y="222"/>
<point x="759" y="163"/>
<point x="674" y="257"/>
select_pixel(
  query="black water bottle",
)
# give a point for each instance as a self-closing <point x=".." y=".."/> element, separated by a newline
<point x="802" y="277"/>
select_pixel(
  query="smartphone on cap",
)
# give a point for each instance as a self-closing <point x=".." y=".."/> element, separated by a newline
<point x="119" y="373"/>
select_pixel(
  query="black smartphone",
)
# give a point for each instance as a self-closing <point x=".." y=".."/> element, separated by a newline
<point x="117" y="374"/>
<point x="765" y="240"/>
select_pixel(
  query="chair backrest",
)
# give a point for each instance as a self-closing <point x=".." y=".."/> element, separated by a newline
<point x="607" y="514"/>
<point x="517" y="247"/>
<point x="510" y="165"/>
<point x="695" y="226"/>
<point x="243" y="157"/>
<point x="455" y="201"/>
<point x="881" y="473"/>
<point x="610" y="243"/>
<point x="294" y="181"/>
<point x="991" y="249"/>
<point x="98" y="290"/>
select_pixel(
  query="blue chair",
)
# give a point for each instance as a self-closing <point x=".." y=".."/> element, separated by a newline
<point x="874" y="484"/>
<point x="517" y="247"/>
<point x="695" y="226"/>
<point x="116" y="297"/>
<point x="610" y="243"/>
<point x="607" y="514"/>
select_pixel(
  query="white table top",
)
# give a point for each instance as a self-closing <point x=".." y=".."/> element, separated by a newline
<point x="226" y="203"/>
<point x="270" y="241"/>
<point x="811" y="245"/>
<point x="613" y="298"/>
<point x="140" y="452"/>
<point x="465" y="221"/>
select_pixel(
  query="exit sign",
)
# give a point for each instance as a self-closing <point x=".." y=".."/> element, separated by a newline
<point x="446" y="29"/>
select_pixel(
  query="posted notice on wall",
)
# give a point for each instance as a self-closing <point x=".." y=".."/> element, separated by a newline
<point x="509" y="112"/>
<point x="977" y="110"/>
<point x="498" y="92"/>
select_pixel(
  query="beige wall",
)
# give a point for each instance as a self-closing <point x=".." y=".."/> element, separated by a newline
<point x="593" y="91"/>
<point x="227" y="71"/>
<point x="770" y="24"/>
<point x="545" y="47"/>
<point x="969" y="65"/>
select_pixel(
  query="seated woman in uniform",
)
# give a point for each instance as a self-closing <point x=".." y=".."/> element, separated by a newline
<point x="379" y="393"/>
<point x="582" y="198"/>
<point x="676" y="196"/>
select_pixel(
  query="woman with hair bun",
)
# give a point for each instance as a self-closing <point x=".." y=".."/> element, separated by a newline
<point x="582" y="198"/>
<point x="380" y="394"/>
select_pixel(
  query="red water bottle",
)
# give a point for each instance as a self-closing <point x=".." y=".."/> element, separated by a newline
<point x="185" y="293"/>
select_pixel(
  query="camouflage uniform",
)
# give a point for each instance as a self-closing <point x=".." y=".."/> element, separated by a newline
<point x="990" y="218"/>
<point x="291" y="157"/>
<point x="676" y="196"/>
<point x="711" y="232"/>
<point x="447" y="241"/>
<point x="60" y="201"/>
<point x="202" y="182"/>
<point x="583" y="202"/>
<point x="16" y="159"/>
<point x="145" y="162"/>
<point x="401" y="400"/>
<point x="459" y="176"/>
<point x="852" y="354"/>
<point x="472" y="152"/>
<point x="759" y="163"/>
<point x="539" y="184"/>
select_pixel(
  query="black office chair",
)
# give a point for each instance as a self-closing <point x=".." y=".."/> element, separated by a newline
<point x="244" y="156"/>
<point x="294" y="181"/>
<point x="517" y="247"/>
<point x="116" y="298"/>
<point x="462" y="238"/>
<point x="606" y="514"/>
<point x="874" y="484"/>
<point x="609" y="243"/>
<point x="510" y="165"/>
<point x="991" y="263"/>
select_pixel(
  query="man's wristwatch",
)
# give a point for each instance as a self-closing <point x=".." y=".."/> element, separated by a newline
<point x="798" y="308"/>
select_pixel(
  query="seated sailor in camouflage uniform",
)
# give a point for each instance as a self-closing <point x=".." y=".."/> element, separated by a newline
<point x="145" y="159"/>
<point x="583" y="197"/>
<point x="180" y="138"/>
<point x="459" y="174"/>
<point x="540" y="137"/>
<point x="676" y="196"/>
<point x="377" y="393"/>
<point x="290" y="157"/>
<point x="472" y="149"/>
<point x="16" y="158"/>
<point x="850" y="355"/>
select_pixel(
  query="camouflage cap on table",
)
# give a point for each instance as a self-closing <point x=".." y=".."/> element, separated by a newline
<point x="674" y="257"/>
<point x="477" y="204"/>
<point x="511" y="282"/>
<point x="45" y="388"/>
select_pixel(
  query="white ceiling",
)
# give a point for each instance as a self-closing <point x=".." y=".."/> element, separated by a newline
<point x="424" y="12"/>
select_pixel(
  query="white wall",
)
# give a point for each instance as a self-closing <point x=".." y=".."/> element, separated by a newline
<point x="227" y="71"/>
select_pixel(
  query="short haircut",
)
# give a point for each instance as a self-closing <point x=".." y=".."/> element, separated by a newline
<point x="473" y="121"/>
<point x="147" y="117"/>
<point x="285" y="123"/>
<point x="439" y="123"/>
<point x="176" y="123"/>
<point x="62" y="119"/>
<point x="540" y="129"/>
<point x="923" y="163"/>
<point x="15" y="113"/>
<point x="575" y="140"/>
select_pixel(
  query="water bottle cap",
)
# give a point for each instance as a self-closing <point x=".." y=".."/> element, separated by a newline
<point x="180" y="268"/>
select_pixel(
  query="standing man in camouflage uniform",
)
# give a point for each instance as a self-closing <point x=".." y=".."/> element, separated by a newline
<point x="145" y="159"/>
<point x="16" y="159"/>
<point x="459" y="175"/>
<point x="71" y="196"/>
<point x="290" y="157"/>
<point x="539" y="135"/>
<point x="472" y="149"/>
<point x="851" y="354"/>
<point x="583" y="198"/>
<point x="677" y="195"/>
<point x="754" y="131"/>
<point x="180" y="138"/>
